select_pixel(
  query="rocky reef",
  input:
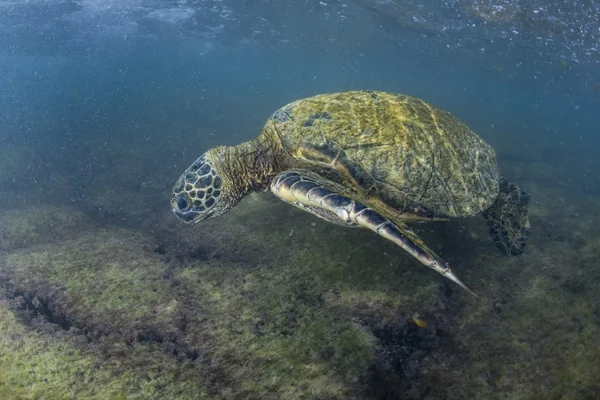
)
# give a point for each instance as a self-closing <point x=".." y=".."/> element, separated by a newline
<point x="269" y="302"/>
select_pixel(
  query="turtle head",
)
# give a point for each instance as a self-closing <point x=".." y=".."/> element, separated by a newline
<point x="199" y="194"/>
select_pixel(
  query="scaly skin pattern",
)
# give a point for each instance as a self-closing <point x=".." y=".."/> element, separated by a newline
<point x="222" y="176"/>
<point x="420" y="158"/>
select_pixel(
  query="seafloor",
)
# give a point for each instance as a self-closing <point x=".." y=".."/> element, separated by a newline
<point x="109" y="296"/>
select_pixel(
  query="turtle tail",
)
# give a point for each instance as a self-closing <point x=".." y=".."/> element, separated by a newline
<point x="507" y="219"/>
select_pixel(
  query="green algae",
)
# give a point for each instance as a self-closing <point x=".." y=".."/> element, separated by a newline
<point x="536" y="332"/>
<point x="285" y="341"/>
<point x="295" y="321"/>
<point x="269" y="303"/>
<point x="107" y="271"/>
<point x="48" y="365"/>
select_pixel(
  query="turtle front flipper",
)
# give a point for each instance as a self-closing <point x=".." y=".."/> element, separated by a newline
<point x="328" y="200"/>
<point x="325" y="152"/>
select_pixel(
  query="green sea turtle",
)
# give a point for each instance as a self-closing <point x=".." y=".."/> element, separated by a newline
<point x="363" y="158"/>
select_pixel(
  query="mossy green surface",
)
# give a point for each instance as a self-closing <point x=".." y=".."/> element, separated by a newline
<point x="38" y="363"/>
<point x="111" y="272"/>
<point x="536" y="332"/>
<point x="269" y="303"/>
<point x="285" y="345"/>
<point x="245" y="311"/>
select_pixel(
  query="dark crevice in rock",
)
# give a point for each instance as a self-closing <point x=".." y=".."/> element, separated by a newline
<point x="401" y="350"/>
<point x="88" y="330"/>
<point x="31" y="306"/>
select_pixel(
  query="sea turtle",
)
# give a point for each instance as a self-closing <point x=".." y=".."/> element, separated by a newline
<point x="364" y="158"/>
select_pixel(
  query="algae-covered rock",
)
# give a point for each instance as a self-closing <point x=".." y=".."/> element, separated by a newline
<point x="102" y="272"/>
<point x="536" y="332"/>
<point x="267" y="302"/>
<point x="289" y="313"/>
<point x="38" y="362"/>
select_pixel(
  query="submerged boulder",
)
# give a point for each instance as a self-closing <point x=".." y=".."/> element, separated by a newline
<point x="286" y="312"/>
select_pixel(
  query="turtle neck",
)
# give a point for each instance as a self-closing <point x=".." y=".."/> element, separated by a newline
<point x="250" y="166"/>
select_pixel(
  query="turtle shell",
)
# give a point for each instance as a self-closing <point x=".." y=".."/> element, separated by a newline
<point x="420" y="158"/>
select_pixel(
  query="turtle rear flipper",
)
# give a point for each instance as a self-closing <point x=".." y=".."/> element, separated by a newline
<point x="507" y="220"/>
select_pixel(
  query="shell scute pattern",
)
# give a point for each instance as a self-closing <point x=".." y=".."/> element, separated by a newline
<point x="317" y="116"/>
<point x="420" y="156"/>
<point x="284" y="114"/>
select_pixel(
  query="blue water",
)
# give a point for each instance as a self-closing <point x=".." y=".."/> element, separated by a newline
<point x="78" y="67"/>
<point x="104" y="103"/>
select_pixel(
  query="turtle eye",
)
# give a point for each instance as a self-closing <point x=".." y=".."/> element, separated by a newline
<point x="182" y="202"/>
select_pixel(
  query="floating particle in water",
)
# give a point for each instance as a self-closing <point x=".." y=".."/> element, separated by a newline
<point x="418" y="321"/>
